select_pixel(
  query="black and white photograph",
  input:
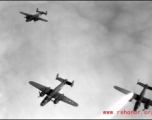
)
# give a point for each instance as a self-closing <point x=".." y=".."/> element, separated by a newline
<point x="75" y="59"/>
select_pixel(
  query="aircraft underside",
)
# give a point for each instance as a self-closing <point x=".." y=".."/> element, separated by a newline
<point x="30" y="19"/>
<point x="46" y="100"/>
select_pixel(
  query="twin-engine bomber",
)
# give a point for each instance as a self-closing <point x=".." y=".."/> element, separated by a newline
<point x="54" y="94"/>
<point x="139" y="98"/>
<point x="35" y="17"/>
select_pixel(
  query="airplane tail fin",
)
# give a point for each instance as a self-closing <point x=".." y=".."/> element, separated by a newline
<point x="37" y="10"/>
<point x="143" y="85"/>
<point x="67" y="82"/>
<point x="70" y="83"/>
<point x="57" y="76"/>
<point x="46" y="13"/>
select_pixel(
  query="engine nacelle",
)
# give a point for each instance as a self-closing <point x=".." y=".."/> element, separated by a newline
<point x="45" y="91"/>
<point x="58" y="98"/>
<point x="137" y="105"/>
<point x="35" y="19"/>
<point x="56" y="101"/>
<point x="146" y="105"/>
<point x="42" y="94"/>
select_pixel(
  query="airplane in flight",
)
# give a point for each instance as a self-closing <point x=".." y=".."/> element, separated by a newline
<point x="35" y="17"/>
<point x="54" y="93"/>
<point x="139" y="98"/>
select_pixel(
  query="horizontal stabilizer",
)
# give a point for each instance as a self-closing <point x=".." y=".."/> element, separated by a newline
<point x="143" y="85"/>
<point x="150" y="88"/>
<point x="59" y="79"/>
<point x="122" y="90"/>
<point x="62" y="80"/>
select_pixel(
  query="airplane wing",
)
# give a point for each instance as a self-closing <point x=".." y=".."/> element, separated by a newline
<point x="42" y="19"/>
<point x="135" y="96"/>
<point x="69" y="101"/>
<point x="26" y="14"/>
<point x="66" y="100"/>
<point x="38" y="86"/>
<point x="122" y="90"/>
<point x="143" y="85"/>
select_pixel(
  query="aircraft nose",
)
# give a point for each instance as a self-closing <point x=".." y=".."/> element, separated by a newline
<point x="43" y="102"/>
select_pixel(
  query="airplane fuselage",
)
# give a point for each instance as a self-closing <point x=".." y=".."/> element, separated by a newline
<point x="34" y="17"/>
<point x="52" y="93"/>
<point x="142" y="94"/>
<point x="38" y="15"/>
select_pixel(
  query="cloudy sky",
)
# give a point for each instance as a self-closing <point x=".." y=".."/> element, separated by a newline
<point x="98" y="44"/>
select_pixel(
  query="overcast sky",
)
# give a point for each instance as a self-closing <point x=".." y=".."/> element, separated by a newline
<point x="98" y="44"/>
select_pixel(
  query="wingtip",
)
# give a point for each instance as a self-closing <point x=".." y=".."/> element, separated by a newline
<point x="30" y="82"/>
<point x="76" y="105"/>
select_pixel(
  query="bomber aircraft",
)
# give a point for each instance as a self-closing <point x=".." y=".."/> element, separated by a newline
<point x="54" y="94"/>
<point x="35" y="17"/>
<point x="139" y="98"/>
